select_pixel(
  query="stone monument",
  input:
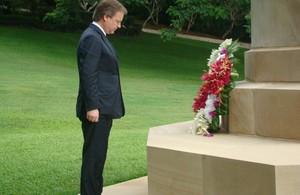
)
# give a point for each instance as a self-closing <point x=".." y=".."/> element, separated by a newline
<point x="267" y="102"/>
<point x="261" y="153"/>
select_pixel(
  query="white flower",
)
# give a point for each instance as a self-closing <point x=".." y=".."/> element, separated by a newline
<point x="220" y="56"/>
<point x="210" y="107"/>
<point x="213" y="56"/>
<point x="200" y="124"/>
<point x="225" y="44"/>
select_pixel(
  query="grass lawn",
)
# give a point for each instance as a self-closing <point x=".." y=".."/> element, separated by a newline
<point x="40" y="137"/>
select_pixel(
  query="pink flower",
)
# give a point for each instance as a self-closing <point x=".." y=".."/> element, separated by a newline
<point x="224" y="51"/>
<point x="208" y="135"/>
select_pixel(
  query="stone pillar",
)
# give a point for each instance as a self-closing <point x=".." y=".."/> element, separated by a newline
<point x="267" y="103"/>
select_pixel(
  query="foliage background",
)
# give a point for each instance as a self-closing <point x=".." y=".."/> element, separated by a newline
<point x="216" y="18"/>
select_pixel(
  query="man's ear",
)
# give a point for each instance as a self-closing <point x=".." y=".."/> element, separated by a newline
<point x="105" y="18"/>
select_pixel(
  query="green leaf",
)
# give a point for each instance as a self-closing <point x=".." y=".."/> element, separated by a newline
<point x="214" y="126"/>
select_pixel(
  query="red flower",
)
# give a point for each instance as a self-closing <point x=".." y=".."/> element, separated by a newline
<point x="199" y="101"/>
<point x="214" y="81"/>
<point x="205" y="76"/>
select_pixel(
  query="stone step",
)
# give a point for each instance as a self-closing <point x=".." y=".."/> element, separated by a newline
<point x="181" y="163"/>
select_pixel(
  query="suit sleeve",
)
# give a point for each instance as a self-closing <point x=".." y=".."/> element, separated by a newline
<point x="89" y="55"/>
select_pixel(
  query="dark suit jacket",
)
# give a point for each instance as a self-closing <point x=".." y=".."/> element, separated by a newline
<point x="99" y="82"/>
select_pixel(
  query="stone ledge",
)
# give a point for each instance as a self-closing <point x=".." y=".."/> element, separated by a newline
<point x="181" y="163"/>
<point x="280" y="64"/>
<point x="265" y="109"/>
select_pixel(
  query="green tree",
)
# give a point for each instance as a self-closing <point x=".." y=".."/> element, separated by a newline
<point x="68" y="11"/>
<point x="30" y="7"/>
<point x="248" y="25"/>
<point x="153" y="7"/>
<point x="185" y="13"/>
<point x="87" y="5"/>
<point x="62" y="13"/>
<point x="10" y="6"/>
<point x="234" y="11"/>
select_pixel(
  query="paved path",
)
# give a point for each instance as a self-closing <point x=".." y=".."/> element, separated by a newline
<point x="211" y="40"/>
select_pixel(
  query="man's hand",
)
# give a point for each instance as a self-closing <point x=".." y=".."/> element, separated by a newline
<point x="93" y="115"/>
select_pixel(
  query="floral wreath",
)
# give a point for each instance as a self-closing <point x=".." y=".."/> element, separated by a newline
<point x="212" y="100"/>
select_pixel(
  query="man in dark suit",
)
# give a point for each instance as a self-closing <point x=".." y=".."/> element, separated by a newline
<point x="99" y="98"/>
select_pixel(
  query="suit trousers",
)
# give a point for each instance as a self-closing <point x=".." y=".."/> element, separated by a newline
<point x="94" y="155"/>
